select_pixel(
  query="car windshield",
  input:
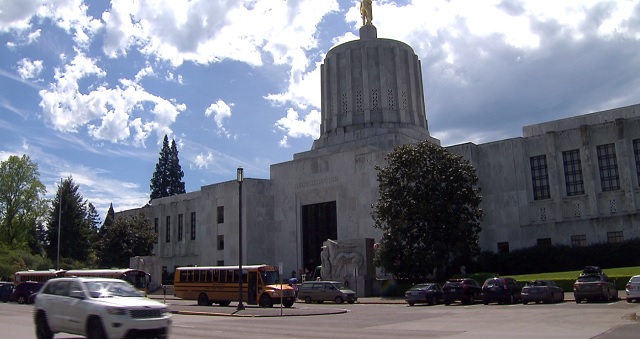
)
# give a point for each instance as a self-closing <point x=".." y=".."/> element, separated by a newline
<point x="420" y="287"/>
<point x="589" y="278"/>
<point x="106" y="289"/>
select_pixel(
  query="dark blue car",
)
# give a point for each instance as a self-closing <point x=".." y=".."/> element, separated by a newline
<point x="6" y="288"/>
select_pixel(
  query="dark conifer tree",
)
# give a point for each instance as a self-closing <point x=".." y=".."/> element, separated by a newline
<point x="75" y="232"/>
<point x="167" y="178"/>
<point x="176" y="185"/>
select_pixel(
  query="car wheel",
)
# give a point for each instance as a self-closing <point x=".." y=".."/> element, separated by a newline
<point x="486" y="301"/>
<point x="411" y="303"/>
<point x="22" y="299"/>
<point x="42" y="327"/>
<point x="512" y="299"/>
<point x="578" y="300"/>
<point x="95" y="329"/>
<point x="203" y="300"/>
<point x="338" y="300"/>
<point x="307" y="300"/>
<point x="608" y="297"/>
<point x="433" y="300"/>
<point x="447" y="302"/>
<point x="266" y="301"/>
<point x="524" y="302"/>
<point x="351" y="302"/>
<point x="629" y="300"/>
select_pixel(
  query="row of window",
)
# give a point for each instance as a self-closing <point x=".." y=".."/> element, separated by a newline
<point x="578" y="240"/>
<point x="220" y="219"/>
<point x="574" y="182"/>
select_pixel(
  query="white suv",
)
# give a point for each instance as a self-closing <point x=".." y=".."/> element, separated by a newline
<point x="98" y="308"/>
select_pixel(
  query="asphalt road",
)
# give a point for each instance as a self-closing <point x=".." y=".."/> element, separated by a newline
<point x="388" y="320"/>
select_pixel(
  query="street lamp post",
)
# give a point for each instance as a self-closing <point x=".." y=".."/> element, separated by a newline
<point x="240" y="180"/>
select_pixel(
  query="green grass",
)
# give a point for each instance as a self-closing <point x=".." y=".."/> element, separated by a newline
<point x="611" y="272"/>
<point x="566" y="279"/>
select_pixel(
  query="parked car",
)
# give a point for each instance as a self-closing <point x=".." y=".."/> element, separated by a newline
<point x="542" y="291"/>
<point x="23" y="292"/>
<point x="98" y="308"/>
<point x="633" y="289"/>
<point x="466" y="290"/>
<point x="321" y="291"/>
<point x="6" y="289"/>
<point x="501" y="290"/>
<point x="430" y="293"/>
<point x="593" y="284"/>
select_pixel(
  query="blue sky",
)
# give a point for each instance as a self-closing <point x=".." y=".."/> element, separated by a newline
<point x="90" y="88"/>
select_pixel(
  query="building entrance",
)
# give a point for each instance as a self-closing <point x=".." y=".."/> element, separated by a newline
<point x="319" y="223"/>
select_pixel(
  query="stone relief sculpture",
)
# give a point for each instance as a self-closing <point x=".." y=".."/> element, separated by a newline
<point x="348" y="261"/>
<point x="366" y="12"/>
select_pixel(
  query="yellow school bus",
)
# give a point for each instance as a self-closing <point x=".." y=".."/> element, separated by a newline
<point x="39" y="276"/>
<point x="138" y="278"/>
<point x="261" y="285"/>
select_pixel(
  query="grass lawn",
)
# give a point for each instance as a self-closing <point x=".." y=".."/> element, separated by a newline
<point x="611" y="272"/>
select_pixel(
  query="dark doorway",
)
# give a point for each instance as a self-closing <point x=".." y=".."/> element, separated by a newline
<point x="319" y="223"/>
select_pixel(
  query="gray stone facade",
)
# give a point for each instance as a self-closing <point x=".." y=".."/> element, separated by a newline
<point x="331" y="188"/>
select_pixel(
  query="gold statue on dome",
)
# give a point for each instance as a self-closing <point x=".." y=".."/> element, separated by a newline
<point x="366" y="12"/>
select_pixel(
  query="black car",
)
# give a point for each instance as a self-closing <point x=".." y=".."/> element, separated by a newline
<point x="6" y="288"/>
<point x="430" y="293"/>
<point x="593" y="284"/>
<point x="466" y="290"/>
<point x="501" y="290"/>
<point x="23" y="292"/>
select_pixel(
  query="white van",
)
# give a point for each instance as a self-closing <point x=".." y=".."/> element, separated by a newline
<point x="321" y="291"/>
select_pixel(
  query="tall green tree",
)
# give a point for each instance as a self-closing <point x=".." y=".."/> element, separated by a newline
<point x="126" y="237"/>
<point x="167" y="178"/>
<point x="21" y="201"/>
<point x="75" y="229"/>
<point x="176" y="185"/>
<point x="428" y="210"/>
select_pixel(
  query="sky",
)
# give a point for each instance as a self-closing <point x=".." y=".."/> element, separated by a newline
<point x="89" y="88"/>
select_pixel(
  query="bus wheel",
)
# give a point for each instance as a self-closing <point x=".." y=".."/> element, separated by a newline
<point x="225" y="303"/>
<point x="287" y="304"/>
<point x="203" y="300"/>
<point x="265" y="301"/>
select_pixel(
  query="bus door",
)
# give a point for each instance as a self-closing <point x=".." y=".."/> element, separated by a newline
<point x="253" y="287"/>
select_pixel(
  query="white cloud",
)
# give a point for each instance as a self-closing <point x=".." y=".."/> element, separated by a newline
<point x="296" y="127"/>
<point x="220" y="111"/>
<point x="16" y="14"/>
<point x="203" y="161"/>
<point x="68" y="109"/>
<point x="29" y="69"/>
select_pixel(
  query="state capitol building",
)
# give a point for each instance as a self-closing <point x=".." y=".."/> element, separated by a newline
<point x="573" y="181"/>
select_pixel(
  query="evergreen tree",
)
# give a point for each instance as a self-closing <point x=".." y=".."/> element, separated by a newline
<point x="428" y="210"/>
<point x="167" y="178"/>
<point x="75" y="230"/>
<point x="176" y="185"/>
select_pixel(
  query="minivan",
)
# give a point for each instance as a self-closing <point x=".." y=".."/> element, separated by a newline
<point x="321" y="291"/>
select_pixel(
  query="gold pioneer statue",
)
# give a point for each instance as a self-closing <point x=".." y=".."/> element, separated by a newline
<point x="365" y="12"/>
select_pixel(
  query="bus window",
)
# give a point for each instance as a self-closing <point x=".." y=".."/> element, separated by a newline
<point x="215" y="275"/>
<point x="183" y="276"/>
<point x="209" y="275"/>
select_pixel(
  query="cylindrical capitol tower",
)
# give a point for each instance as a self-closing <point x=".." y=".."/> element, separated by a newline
<point x="371" y="87"/>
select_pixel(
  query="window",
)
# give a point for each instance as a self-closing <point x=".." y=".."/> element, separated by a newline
<point x="220" y="242"/>
<point x="168" y="229"/>
<point x="540" y="177"/>
<point x="544" y="242"/>
<point x="180" y="228"/>
<point x="636" y="153"/>
<point x="503" y="247"/>
<point x="615" y="237"/>
<point x="156" y="225"/>
<point x="573" y="172"/>
<point x="579" y="240"/>
<point x="193" y="225"/>
<point x="220" y="263"/>
<point x="220" y="214"/>
<point x="609" y="179"/>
